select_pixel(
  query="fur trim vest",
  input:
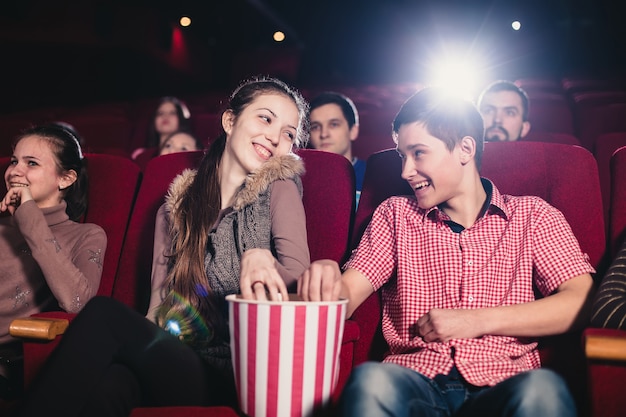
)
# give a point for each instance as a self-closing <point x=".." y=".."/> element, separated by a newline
<point x="246" y="226"/>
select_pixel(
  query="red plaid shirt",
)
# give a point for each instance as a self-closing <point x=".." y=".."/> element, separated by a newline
<point x="520" y="243"/>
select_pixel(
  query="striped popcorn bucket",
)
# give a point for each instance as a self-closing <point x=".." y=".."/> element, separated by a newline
<point x="285" y="354"/>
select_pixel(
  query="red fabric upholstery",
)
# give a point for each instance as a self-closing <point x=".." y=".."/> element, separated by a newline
<point x="103" y="131"/>
<point x="558" y="173"/>
<point x="206" y="126"/>
<point x="574" y="85"/>
<point x="617" y="225"/>
<point x="10" y="127"/>
<point x="550" y="112"/>
<point x="565" y="176"/>
<point x="550" y="137"/>
<point x="145" y="155"/>
<point x="368" y="144"/>
<point x="132" y="285"/>
<point x="606" y="381"/>
<point x="328" y="196"/>
<point x="374" y="131"/>
<point x="113" y="182"/>
<point x="539" y="84"/>
<point x="604" y="147"/>
<point x="598" y="112"/>
<point x="328" y="199"/>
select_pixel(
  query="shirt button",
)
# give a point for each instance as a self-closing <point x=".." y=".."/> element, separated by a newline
<point x="470" y="263"/>
<point x="470" y="298"/>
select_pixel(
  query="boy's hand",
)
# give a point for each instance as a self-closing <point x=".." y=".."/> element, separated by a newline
<point x="441" y="325"/>
<point x="320" y="282"/>
<point x="259" y="277"/>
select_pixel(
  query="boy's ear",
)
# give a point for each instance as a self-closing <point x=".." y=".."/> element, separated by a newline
<point x="467" y="148"/>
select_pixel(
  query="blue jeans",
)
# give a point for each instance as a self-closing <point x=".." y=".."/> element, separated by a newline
<point x="382" y="389"/>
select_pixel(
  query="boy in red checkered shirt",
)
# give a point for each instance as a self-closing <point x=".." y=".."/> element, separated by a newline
<point x="458" y="264"/>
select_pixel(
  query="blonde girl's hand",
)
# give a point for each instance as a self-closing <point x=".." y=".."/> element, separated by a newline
<point x="259" y="278"/>
<point x="14" y="197"/>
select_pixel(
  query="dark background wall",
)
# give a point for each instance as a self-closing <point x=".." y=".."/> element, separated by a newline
<point x="71" y="51"/>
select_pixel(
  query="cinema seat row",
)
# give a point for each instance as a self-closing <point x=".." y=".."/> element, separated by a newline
<point x="124" y="201"/>
<point x="581" y="107"/>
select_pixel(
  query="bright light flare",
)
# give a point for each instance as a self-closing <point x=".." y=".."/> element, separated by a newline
<point x="516" y="25"/>
<point x="185" y="21"/>
<point x="459" y="77"/>
<point x="279" y="36"/>
<point x="173" y="327"/>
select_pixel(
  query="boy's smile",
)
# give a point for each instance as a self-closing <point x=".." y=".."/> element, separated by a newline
<point x="430" y="168"/>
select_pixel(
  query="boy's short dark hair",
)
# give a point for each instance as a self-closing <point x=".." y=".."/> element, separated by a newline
<point x="347" y="106"/>
<point x="503" y="85"/>
<point x="445" y="116"/>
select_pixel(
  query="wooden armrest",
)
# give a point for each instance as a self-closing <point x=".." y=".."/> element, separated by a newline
<point x="605" y="347"/>
<point x="38" y="328"/>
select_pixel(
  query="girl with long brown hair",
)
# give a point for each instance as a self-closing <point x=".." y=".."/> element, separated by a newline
<point x="234" y="225"/>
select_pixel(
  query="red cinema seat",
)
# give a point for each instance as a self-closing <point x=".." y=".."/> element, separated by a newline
<point x="550" y="112"/>
<point x="550" y="137"/>
<point x="558" y="173"/>
<point x="606" y="348"/>
<point x="617" y="222"/>
<point x="604" y="147"/>
<point x="329" y="201"/>
<point x="113" y="182"/>
<point x="539" y="84"/>
<point x="206" y="126"/>
<point x="598" y="112"/>
<point x="132" y="285"/>
<point x="103" y="133"/>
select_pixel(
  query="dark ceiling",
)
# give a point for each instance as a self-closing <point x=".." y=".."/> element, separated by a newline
<point x="90" y="50"/>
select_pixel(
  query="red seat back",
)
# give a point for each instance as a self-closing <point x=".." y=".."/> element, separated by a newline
<point x="103" y="133"/>
<point x="206" y="126"/>
<point x="329" y="198"/>
<point x="550" y="112"/>
<point x="565" y="176"/>
<point x="617" y="228"/>
<point x="550" y="137"/>
<point x="604" y="147"/>
<point x="144" y="155"/>
<point x="132" y="283"/>
<point x="599" y="112"/>
<point x="113" y="182"/>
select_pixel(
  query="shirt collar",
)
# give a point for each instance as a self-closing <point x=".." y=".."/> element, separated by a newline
<point x="496" y="204"/>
